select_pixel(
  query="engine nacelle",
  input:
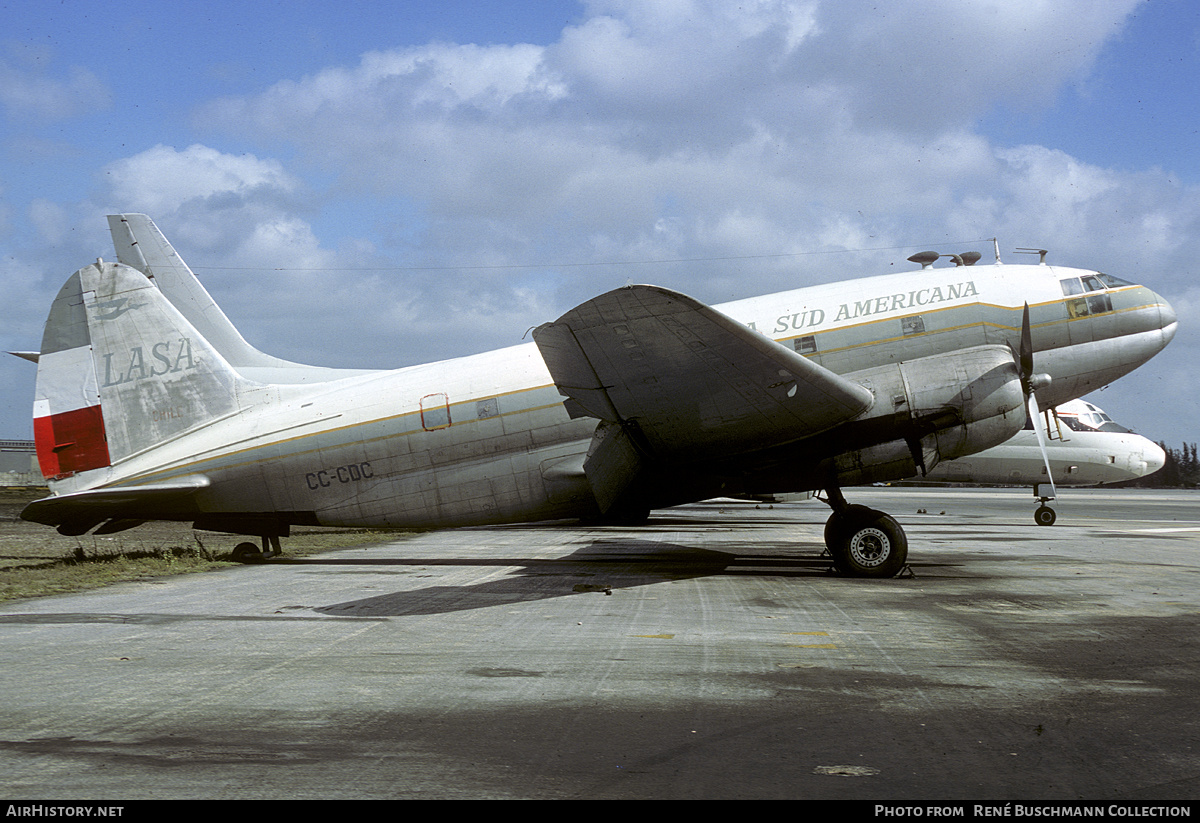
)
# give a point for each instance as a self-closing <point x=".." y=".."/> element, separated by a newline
<point x="936" y="408"/>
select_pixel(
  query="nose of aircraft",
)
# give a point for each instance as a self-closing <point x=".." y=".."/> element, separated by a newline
<point x="1167" y="319"/>
<point x="1154" y="457"/>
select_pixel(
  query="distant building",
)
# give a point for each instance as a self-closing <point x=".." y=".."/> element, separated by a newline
<point x="18" y="464"/>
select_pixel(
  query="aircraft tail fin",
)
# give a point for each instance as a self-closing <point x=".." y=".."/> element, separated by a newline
<point x="140" y="245"/>
<point x="121" y="370"/>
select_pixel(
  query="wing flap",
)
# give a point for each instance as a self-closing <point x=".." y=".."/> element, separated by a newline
<point x="688" y="378"/>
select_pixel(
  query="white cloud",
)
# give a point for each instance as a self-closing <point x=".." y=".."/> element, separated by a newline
<point x="921" y="66"/>
<point x="29" y="89"/>
<point x="802" y="111"/>
<point x="162" y="180"/>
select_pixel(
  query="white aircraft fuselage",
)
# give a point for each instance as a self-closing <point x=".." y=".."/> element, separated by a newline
<point x="1084" y="447"/>
<point x="903" y="371"/>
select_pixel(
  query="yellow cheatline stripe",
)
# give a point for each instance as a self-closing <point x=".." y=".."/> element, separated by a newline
<point x="197" y="465"/>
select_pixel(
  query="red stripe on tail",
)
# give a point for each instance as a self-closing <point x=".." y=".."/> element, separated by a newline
<point x="71" y="442"/>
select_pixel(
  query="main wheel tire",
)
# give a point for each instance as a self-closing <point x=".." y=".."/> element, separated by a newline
<point x="835" y="526"/>
<point x="1044" y="516"/>
<point x="246" y="553"/>
<point x="869" y="543"/>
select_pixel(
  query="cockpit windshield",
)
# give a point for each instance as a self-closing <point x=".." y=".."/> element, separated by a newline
<point x="1080" y="416"/>
<point x="1091" y="283"/>
<point x="1091" y="422"/>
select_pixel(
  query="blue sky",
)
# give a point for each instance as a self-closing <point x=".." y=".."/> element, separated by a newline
<point x="379" y="184"/>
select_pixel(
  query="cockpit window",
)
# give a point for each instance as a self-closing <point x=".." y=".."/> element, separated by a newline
<point x="1091" y="422"/>
<point x="1071" y="286"/>
<point x="1091" y="282"/>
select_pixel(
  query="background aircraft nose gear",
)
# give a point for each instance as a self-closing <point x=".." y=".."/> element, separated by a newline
<point x="1044" y="515"/>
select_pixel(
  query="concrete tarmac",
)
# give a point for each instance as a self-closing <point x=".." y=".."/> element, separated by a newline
<point x="1018" y="663"/>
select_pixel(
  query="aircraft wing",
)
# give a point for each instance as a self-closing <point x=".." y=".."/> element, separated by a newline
<point x="78" y="512"/>
<point x="686" y="380"/>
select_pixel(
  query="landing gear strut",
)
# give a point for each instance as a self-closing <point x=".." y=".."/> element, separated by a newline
<point x="1043" y="515"/>
<point x="862" y="541"/>
<point x="250" y="553"/>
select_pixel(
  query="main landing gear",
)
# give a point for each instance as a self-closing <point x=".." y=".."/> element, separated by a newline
<point x="250" y="553"/>
<point x="862" y="541"/>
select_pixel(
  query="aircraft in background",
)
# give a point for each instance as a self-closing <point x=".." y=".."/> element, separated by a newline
<point x="1084" y="447"/>
<point x="150" y="405"/>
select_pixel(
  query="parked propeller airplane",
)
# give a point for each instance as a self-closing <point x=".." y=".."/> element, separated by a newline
<point x="150" y="406"/>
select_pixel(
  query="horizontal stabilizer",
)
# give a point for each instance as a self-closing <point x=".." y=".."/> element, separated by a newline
<point x="79" y="512"/>
<point x="687" y="379"/>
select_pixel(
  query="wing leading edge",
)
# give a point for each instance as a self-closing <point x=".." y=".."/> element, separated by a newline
<point x="673" y="380"/>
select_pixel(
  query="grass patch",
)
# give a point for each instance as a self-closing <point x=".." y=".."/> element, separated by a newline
<point x="81" y="570"/>
<point x="36" y="561"/>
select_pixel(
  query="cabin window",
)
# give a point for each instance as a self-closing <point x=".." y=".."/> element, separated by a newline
<point x="1091" y="304"/>
<point x="435" y="412"/>
<point x="1077" y="308"/>
<point x="805" y="345"/>
<point x="1099" y="303"/>
<point x="912" y="325"/>
<point x="487" y="408"/>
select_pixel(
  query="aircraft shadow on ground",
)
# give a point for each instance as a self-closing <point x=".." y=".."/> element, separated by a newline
<point x="603" y="566"/>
